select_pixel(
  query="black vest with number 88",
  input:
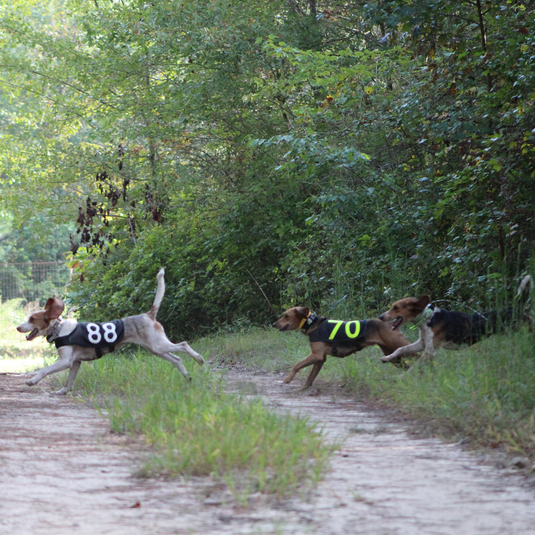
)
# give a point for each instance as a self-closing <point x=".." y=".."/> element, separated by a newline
<point x="96" y="335"/>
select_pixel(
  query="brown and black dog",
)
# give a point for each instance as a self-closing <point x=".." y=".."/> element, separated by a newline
<point x="450" y="329"/>
<point x="336" y="338"/>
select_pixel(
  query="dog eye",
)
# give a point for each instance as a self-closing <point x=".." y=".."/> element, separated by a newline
<point x="285" y="316"/>
<point x="395" y="307"/>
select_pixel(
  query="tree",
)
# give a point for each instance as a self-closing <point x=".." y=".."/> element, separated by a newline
<point x="274" y="152"/>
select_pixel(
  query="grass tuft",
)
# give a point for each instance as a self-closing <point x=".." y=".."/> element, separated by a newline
<point x="197" y="428"/>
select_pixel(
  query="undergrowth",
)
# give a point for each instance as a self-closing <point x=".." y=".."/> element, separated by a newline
<point x="485" y="393"/>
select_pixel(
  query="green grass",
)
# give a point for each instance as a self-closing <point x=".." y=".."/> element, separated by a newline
<point x="197" y="428"/>
<point x="485" y="393"/>
<point x="265" y="348"/>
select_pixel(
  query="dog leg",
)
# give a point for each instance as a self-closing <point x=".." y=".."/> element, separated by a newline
<point x="161" y="345"/>
<point x="404" y="350"/>
<point x="186" y="348"/>
<point x="70" y="381"/>
<point x="175" y="361"/>
<point x="387" y="351"/>
<point x="311" y="359"/>
<point x="65" y="360"/>
<point x="53" y="368"/>
<point x="430" y="351"/>
<point x="427" y="336"/>
<point x="313" y="374"/>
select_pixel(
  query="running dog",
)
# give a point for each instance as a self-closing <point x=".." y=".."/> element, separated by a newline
<point x="78" y="342"/>
<point x="336" y="338"/>
<point x="449" y="329"/>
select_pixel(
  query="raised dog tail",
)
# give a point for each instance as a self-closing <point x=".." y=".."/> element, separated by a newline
<point x="525" y="287"/>
<point x="523" y="294"/>
<point x="160" y="291"/>
<point x="496" y="320"/>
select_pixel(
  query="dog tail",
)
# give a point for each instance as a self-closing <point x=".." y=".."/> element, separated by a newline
<point x="522" y="297"/>
<point x="160" y="291"/>
<point x="525" y="287"/>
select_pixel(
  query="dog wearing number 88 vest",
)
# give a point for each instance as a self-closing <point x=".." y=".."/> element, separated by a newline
<point x="336" y="338"/>
<point x="79" y="342"/>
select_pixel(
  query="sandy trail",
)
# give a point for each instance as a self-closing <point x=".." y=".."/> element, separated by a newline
<point x="62" y="471"/>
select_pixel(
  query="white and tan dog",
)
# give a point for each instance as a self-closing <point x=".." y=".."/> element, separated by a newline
<point x="99" y="340"/>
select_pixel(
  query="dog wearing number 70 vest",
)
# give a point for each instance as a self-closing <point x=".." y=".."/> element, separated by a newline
<point x="79" y="342"/>
<point x="336" y="338"/>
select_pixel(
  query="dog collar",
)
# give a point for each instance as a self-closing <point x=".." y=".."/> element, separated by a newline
<point x="307" y="322"/>
<point x="426" y="313"/>
<point x="53" y="331"/>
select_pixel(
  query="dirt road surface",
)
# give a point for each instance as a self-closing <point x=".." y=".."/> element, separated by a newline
<point x="62" y="472"/>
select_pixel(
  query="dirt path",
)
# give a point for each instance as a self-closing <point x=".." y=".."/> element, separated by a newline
<point x="62" y="471"/>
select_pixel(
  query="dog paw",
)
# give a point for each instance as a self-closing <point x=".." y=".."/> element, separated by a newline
<point x="31" y="382"/>
<point x="386" y="359"/>
<point x="63" y="392"/>
<point x="288" y="379"/>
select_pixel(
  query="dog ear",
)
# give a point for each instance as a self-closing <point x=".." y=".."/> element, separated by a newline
<point x="54" y="308"/>
<point x="304" y="311"/>
<point x="423" y="302"/>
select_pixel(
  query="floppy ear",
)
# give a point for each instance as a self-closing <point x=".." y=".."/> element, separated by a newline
<point x="304" y="311"/>
<point x="54" y="308"/>
<point x="423" y="302"/>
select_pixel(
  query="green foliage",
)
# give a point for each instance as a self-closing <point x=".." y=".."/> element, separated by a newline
<point x="275" y="153"/>
<point x="33" y="241"/>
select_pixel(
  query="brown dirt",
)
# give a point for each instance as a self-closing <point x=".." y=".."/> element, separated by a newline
<point x="63" y="472"/>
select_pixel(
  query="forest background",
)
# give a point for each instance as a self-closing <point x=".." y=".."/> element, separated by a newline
<point x="269" y="153"/>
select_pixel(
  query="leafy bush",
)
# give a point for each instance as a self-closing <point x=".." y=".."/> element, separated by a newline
<point x="277" y="153"/>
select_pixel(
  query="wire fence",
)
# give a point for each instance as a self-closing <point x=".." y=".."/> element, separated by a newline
<point x="32" y="281"/>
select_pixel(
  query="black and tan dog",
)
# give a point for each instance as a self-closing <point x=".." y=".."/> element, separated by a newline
<point x="450" y="329"/>
<point x="336" y="338"/>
